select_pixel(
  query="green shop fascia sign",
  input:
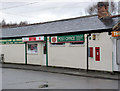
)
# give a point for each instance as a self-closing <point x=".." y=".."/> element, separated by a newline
<point x="67" y="38"/>
<point x="11" y="41"/>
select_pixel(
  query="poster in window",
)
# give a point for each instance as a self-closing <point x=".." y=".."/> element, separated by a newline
<point x="32" y="49"/>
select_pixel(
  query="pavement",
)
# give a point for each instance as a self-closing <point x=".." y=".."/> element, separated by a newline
<point x="67" y="71"/>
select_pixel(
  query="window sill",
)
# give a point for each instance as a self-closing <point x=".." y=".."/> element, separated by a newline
<point x="32" y="53"/>
<point x="57" y="45"/>
<point x="77" y="45"/>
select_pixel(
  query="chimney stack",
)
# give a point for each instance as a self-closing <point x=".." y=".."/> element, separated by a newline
<point x="103" y="12"/>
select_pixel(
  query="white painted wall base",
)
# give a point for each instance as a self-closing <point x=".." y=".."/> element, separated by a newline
<point x="73" y="56"/>
<point x="14" y="53"/>
<point x="104" y="41"/>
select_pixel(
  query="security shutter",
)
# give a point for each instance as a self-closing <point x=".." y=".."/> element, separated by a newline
<point x="118" y="51"/>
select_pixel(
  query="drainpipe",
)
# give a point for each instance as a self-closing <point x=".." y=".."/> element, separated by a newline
<point x="46" y="51"/>
<point x="87" y="51"/>
<point x="25" y="52"/>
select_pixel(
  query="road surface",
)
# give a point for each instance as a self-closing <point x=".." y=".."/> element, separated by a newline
<point x="27" y="79"/>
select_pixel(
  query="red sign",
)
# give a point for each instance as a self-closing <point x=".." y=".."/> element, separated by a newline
<point x="54" y="39"/>
<point x="32" y="38"/>
<point x="40" y="38"/>
<point x="116" y="34"/>
<point x="91" y="51"/>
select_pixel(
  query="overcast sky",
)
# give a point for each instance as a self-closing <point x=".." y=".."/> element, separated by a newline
<point x="34" y="11"/>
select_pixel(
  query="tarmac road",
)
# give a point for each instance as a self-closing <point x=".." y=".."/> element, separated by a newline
<point x="28" y="79"/>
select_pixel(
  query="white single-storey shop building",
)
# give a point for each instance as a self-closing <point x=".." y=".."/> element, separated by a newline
<point x="82" y="43"/>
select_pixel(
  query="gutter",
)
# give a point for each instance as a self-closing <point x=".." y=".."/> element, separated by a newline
<point x="114" y="16"/>
<point x="58" y="34"/>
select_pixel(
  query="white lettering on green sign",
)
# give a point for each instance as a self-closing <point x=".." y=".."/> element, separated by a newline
<point x="69" y="38"/>
<point x="11" y="41"/>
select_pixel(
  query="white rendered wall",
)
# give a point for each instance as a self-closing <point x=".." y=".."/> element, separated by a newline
<point x="103" y="41"/>
<point x="0" y="68"/>
<point x="14" y="53"/>
<point x="73" y="56"/>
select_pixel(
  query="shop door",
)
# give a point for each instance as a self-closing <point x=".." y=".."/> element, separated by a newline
<point x="118" y="53"/>
<point x="35" y="53"/>
<point x="44" y="53"/>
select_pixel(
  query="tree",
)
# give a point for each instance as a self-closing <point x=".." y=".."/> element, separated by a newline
<point x="23" y="23"/>
<point x="3" y="22"/>
<point x="94" y="8"/>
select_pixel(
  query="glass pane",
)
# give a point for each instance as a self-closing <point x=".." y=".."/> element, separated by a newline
<point x="32" y="48"/>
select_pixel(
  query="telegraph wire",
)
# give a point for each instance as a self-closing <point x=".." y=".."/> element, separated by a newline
<point x="31" y="4"/>
<point x="18" y="15"/>
<point x="19" y="6"/>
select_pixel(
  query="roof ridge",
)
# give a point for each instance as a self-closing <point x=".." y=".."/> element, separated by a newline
<point x="54" y="21"/>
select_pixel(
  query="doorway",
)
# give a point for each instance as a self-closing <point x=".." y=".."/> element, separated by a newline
<point x="118" y="53"/>
<point x="35" y="53"/>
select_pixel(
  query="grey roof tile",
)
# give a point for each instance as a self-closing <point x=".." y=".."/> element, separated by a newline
<point x="62" y="26"/>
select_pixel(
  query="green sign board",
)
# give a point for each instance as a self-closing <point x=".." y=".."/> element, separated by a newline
<point x="11" y="41"/>
<point x="67" y="38"/>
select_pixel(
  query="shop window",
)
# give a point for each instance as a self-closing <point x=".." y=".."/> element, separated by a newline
<point x="118" y="51"/>
<point x="32" y="49"/>
<point x="45" y="48"/>
<point x="90" y="51"/>
<point x="94" y="37"/>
